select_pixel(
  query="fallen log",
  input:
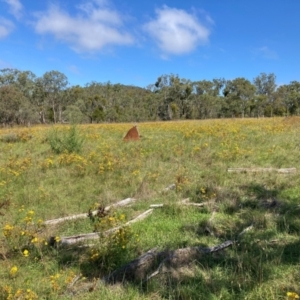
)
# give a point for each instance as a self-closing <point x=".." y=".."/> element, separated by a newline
<point x="139" y="268"/>
<point x="169" y="188"/>
<point x="70" y="240"/>
<point x="186" y="201"/>
<point x="255" y="170"/>
<point x="121" y="203"/>
<point x="93" y="213"/>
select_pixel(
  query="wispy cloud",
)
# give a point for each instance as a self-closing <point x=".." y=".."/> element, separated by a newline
<point x="266" y="52"/>
<point x="95" y="26"/>
<point x="177" y="32"/>
<point x="5" y="64"/>
<point x="15" y="7"/>
<point x="6" y="27"/>
<point x="73" y="69"/>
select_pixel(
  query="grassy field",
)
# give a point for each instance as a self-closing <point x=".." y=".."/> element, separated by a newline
<point x="39" y="181"/>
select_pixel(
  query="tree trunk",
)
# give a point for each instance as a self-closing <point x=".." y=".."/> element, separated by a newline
<point x="54" y="114"/>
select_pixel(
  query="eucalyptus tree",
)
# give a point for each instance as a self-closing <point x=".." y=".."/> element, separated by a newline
<point x="282" y="100"/>
<point x="180" y="92"/>
<point x="175" y="94"/>
<point x="91" y="101"/>
<point x="239" y="93"/>
<point x="266" y="85"/>
<point x="257" y="106"/>
<point x="39" y="100"/>
<point x="10" y="102"/>
<point x="22" y="83"/>
<point x="288" y="96"/>
<point x="294" y="94"/>
<point x="208" y="101"/>
<point x="54" y="83"/>
<point x="162" y="88"/>
<point x="72" y="113"/>
<point x="8" y="76"/>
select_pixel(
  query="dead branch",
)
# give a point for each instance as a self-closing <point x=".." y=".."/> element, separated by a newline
<point x="93" y="213"/>
<point x="140" y="267"/>
<point x="170" y="187"/>
<point x="121" y="203"/>
<point x="154" y="261"/>
<point x="186" y="202"/>
<point x="185" y="255"/>
<point x="255" y="170"/>
<point x="70" y="240"/>
<point x="245" y="230"/>
<point x="156" y="205"/>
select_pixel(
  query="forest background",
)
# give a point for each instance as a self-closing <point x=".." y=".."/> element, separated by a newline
<point x="27" y="99"/>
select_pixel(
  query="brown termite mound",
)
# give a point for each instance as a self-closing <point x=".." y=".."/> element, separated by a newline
<point x="132" y="134"/>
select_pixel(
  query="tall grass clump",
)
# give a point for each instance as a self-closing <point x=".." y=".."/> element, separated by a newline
<point x="70" y="141"/>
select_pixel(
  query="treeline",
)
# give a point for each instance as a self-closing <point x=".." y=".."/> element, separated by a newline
<point x="28" y="99"/>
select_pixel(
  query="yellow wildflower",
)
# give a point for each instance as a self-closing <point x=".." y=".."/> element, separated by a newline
<point x="7" y="230"/>
<point x="18" y="293"/>
<point x="34" y="240"/>
<point x="13" y="271"/>
<point x="292" y="295"/>
<point x="26" y="253"/>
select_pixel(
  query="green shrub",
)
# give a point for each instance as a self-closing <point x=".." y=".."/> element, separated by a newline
<point x="70" y="141"/>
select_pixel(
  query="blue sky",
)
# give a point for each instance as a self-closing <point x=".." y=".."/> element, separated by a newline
<point x="134" y="41"/>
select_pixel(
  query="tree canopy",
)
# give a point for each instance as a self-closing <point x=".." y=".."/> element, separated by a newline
<point x="26" y="98"/>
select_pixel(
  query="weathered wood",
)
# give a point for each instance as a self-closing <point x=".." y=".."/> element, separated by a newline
<point x="139" y="268"/>
<point x="59" y="220"/>
<point x="245" y="230"/>
<point x="121" y="203"/>
<point x="186" y="202"/>
<point x="156" y="205"/>
<point x="255" y="170"/>
<point x="153" y="261"/>
<point x="170" y="187"/>
<point x="70" y="240"/>
<point x="85" y="215"/>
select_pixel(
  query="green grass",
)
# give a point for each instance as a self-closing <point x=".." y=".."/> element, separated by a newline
<point x="195" y="155"/>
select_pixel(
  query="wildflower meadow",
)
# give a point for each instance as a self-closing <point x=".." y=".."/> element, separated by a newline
<point x="182" y="170"/>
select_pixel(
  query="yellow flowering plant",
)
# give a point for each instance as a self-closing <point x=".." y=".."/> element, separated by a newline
<point x="292" y="295"/>
<point x="25" y="234"/>
<point x="13" y="271"/>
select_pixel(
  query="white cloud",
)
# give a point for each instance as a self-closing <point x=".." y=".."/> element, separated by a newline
<point x="6" y="27"/>
<point x="266" y="52"/>
<point x="176" y="31"/>
<point x="15" y="7"/>
<point x="93" y="28"/>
